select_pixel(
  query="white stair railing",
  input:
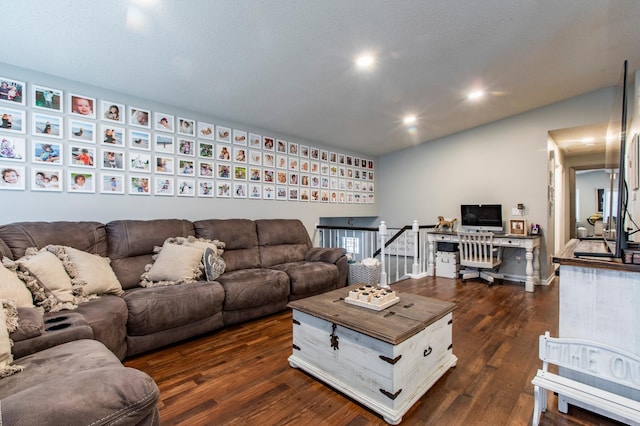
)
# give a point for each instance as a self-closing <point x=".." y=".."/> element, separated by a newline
<point x="403" y="252"/>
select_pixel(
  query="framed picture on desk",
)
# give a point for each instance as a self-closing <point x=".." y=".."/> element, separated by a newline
<point x="517" y="227"/>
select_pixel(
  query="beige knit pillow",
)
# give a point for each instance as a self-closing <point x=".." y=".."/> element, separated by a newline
<point x="175" y="264"/>
<point x="6" y="358"/>
<point x="12" y="287"/>
<point x="94" y="272"/>
<point x="47" y="279"/>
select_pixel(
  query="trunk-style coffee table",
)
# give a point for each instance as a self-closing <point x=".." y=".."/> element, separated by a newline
<point x="384" y="359"/>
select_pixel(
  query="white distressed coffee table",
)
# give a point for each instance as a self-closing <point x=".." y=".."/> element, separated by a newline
<point x="386" y="360"/>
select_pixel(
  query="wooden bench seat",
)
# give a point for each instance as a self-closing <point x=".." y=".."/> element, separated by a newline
<point x="596" y="360"/>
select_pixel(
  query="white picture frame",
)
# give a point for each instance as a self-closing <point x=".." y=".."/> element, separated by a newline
<point x="12" y="177"/>
<point x="163" y="186"/>
<point x="186" y="127"/>
<point x="112" y="159"/>
<point x="112" y="136"/>
<point x="139" y="185"/>
<point x="81" y="181"/>
<point x="47" y="98"/>
<point x="111" y="183"/>
<point x="113" y="112"/>
<point x="139" y="162"/>
<point x="139" y="117"/>
<point x="186" y="187"/>
<point x="206" y="149"/>
<point x="81" y="131"/>
<point x="206" y="130"/>
<point x="13" y="91"/>
<point x="240" y="137"/>
<point x="206" y="189"/>
<point x="47" y="152"/>
<point x="12" y="120"/>
<point x="81" y="156"/>
<point x="187" y="147"/>
<point x="164" y="164"/>
<point x="223" y="134"/>
<point x="163" y="122"/>
<point x="46" y="179"/>
<point x="164" y="143"/>
<point x="82" y="105"/>
<point x="12" y="148"/>
<point x="205" y="169"/>
<point x="255" y="141"/>
<point x="139" y="139"/>
<point x="186" y="167"/>
<point x="223" y="189"/>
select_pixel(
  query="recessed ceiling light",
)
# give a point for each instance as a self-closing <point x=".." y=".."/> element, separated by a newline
<point x="365" y="61"/>
<point x="476" y="94"/>
<point x="409" y="119"/>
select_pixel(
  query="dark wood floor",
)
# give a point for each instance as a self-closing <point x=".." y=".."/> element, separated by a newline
<point x="240" y="375"/>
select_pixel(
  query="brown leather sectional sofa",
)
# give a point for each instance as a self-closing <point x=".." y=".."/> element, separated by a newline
<point x="268" y="263"/>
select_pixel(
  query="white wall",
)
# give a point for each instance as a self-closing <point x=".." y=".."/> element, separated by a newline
<point x="504" y="162"/>
<point x="42" y="206"/>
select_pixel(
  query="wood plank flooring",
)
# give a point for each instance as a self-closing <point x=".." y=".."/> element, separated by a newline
<point x="240" y="375"/>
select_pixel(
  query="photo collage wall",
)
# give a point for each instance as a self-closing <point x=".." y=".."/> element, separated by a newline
<point x="75" y="143"/>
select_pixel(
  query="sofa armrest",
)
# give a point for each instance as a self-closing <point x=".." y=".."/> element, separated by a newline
<point x="58" y="328"/>
<point x="30" y="324"/>
<point x="321" y="254"/>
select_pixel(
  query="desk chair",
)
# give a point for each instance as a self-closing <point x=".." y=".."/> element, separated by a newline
<point x="478" y="256"/>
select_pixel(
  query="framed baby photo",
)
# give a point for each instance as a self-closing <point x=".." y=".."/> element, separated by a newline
<point x="205" y="169"/>
<point x="255" y="141"/>
<point x="82" y="105"/>
<point x="255" y="174"/>
<point x="12" y="91"/>
<point x="43" y="179"/>
<point x="268" y="159"/>
<point x="81" y="156"/>
<point x="239" y="137"/>
<point x="293" y="163"/>
<point x="205" y="149"/>
<point x="268" y="175"/>
<point x="13" y="149"/>
<point x="163" y="185"/>
<point x="304" y="151"/>
<point x="80" y="181"/>
<point x="223" y="134"/>
<point x="223" y="190"/>
<point x="240" y="155"/>
<point x="47" y="125"/>
<point x="187" y="147"/>
<point x="13" y="120"/>
<point x="314" y="153"/>
<point x="205" y="189"/>
<point x="293" y="148"/>
<point x="139" y="140"/>
<point x="186" y="126"/>
<point x="315" y="195"/>
<point x="139" y="185"/>
<point x="111" y="183"/>
<point x="13" y="177"/>
<point x="163" y="143"/>
<point x="112" y="111"/>
<point x="223" y="153"/>
<point x="281" y="146"/>
<point x="304" y="194"/>
<point x="139" y="117"/>
<point x="186" y="167"/>
<point x="47" y="98"/>
<point x="282" y="161"/>
<point x="341" y="159"/>
<point x="164" y="164"/>
<point x="112" y="136"/>
<point x="186" y="187"/>
<point x="255" y="157"/>
<point x="239" y="190"/>
<point x="255" y="191"/>
<point x="206" y="130"/>
<point x="47" y="153"/>
<point x="139" y="162"/>
<point x="82" y="131"/>
<point x="268" y="143"/>
<point x="163" y="122"/>
<point x="112" y="159"/>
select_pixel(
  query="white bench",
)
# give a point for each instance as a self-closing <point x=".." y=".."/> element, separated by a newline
<point x="595" y="360"/>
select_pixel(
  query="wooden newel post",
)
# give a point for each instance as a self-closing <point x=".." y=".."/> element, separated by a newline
<point x="382" y="231"/>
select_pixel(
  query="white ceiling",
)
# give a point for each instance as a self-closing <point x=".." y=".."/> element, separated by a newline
<point x="287" y="65"/>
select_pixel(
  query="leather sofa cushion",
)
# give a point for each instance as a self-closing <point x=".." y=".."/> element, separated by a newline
<point x="30" y="324"/>
<point x="131" y="244"/>
<point x="156" y="309"/>
<point x="86" y="236"/>
<point x="84" y="382"/>
<point x="309" y="278"/>
<point x="240" y="238"/>
<point x="282" y="241"/>
<point x="107" y="317"/>
<point x="249" y="288"/>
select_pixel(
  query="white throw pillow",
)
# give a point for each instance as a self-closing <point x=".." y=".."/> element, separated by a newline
<point x="12" y="287"/>
<point x="175" y="264"/>
<point x="47" y="280"/>
<point x="6" y="358"/>
<point x="94" y="272"/>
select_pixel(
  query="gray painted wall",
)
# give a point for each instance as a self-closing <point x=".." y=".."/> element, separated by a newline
<point x="43" y="206"/>
<point x="503" y="162"/>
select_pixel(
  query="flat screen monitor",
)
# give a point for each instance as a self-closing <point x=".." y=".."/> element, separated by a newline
<point x="481" y="217"/>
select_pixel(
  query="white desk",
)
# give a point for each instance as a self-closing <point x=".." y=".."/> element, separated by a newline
<point x="529" y="243"/>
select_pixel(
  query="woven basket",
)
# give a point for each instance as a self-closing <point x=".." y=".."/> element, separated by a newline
<point x="363" y="274"/>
